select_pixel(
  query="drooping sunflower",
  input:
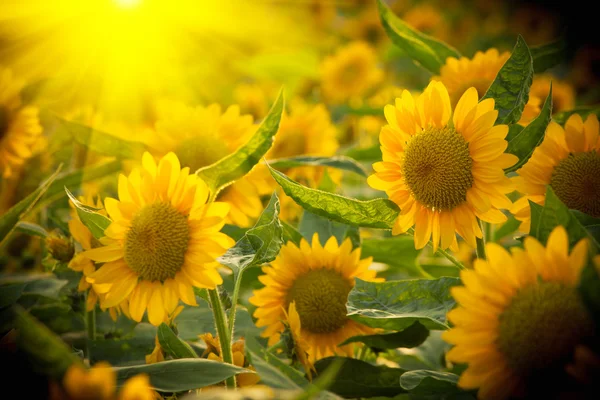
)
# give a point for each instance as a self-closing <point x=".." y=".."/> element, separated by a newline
<point x="351" y="72"/>
<point x="443" y="175"/>
<point x="520" y="316"/>
<point x="569" y="161"/>
<point x="318" y="279"/>
<point x="19" y="125"/>
<point x="163" y="240"/>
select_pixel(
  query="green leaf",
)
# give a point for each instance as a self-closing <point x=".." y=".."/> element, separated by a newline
<point x="90" y="217"/>
<point x="410" y="337"/>
<point x="378" y="213"/>
<point x="553" y="213"/>
<point x="236" y="165"/>
<point x="181" y="375"/>
<point x="396" y="251"/>
<point x="430" y="382"/>
<point x="31" y="229"/>
<point x="589" y="288"/>
<point x="507" y="228"/>
<point x="339" y="162"/>
<point x="510" y="89"/>
<point x="524" y="143"/>
<point x="102" y="142"/>
<point x="272" y="371"/>
<point x="312" y="223"/>
<point x="290" y="234"/>
<point x="364" y="153"/>
<point x="423" y="49"/>
<point x="358" y="378"/>
<point x="563" y="116"/>
<point x="590" y="223"/>
<point x="172" y="344"/>
<point x="10" y="219"/>
<point x="395" y="305"/>
<point x="121" y="352"/>
<point x="548" y="55"/>
<point x="260" y="244"/>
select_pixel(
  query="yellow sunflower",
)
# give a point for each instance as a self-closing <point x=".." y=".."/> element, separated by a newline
<point x="351" y="72"/>
<point x="563" y="94"/>
<point x="200" y="136"/>
<point x="19" y="125"/>
<point x="318" y="279"/>
<point x="444" y="174"/>
<point x="163" y="240"/>
<point x="519" y="317"/>
<point x="428" y="19"/>
<point x="569" y="161"/>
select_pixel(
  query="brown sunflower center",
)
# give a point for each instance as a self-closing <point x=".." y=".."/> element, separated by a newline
<point x="198" y="152"/>
<point x="4" y="121"/>
<point x="157" y="241"/>
<point x="541" y="326"/>
<point x="576" y="181"/>
<point x="437" y="168"/>
<point x="320" y="297"/>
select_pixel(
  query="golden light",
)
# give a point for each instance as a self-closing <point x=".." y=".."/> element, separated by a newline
<point x="128" y="3"/>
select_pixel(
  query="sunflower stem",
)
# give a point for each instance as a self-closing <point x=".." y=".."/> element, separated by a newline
<point x="234" y="301"/>
<point x="222" y="332"/>
<point x="90" y="324"/>
<point x="451" y="258"/>
<point x="480" y="243"/>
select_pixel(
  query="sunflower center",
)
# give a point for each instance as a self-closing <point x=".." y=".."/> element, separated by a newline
<point x="291" y="143"/>
<point x="4" y="121"/>
<point x="541" y="326"/>
<point x="437" y="168"/>
<point x="350" y="73"/>
<point x="198" y="152"/>
<point x="576" y="181"/>
<point x="320" y="297"/>
<point x="157" y="241"/>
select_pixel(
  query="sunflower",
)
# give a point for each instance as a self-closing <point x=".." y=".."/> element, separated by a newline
<point x="428" y="19"/>
<point x="201" y="136"/>
<point x="163" y="240"/>
<point x="213" y="352"/>
<point x="569" y="161"/>
<point x="351" y="72"/>
<point x="520" y="315"/>
<point x="365" y="26"/>
<point x="19" y="125"/>
<point x="563" y="94"/>
<point x="443" y="174"/>
<point x="318" y="279"/>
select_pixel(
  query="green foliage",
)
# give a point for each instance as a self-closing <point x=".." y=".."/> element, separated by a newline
<point x="424" y="382"/>
<point x="396" y="251"/>
<point x="589" y="288"/>
<point x="312" y="223"/>
<point x="340" y="162"/>
<point x="423" y="49"/>
<point x="510" y="89"/>
<point x="273" y="371"/>
<point x="90" y="216"/>
<point x="395" y="305"/>
<point x="239" y="163"/>
<point x="181" y="375"/>
<point x="524" y="143"/>
<point x="290" y="233"/>
<point x="31" y="229"/>
<point x="507" y="228"/>
<point x="378" y="213"/>
<point x="563" y="116"/>
<point x="410" y="337"/>
<point x="548" y="55"/>
<point x="364" y="153"/>
<point x="13" y="287"/>
<point x="9" y="220"/>
<point x="195" y="320"/>
<point x="173" y="345"/>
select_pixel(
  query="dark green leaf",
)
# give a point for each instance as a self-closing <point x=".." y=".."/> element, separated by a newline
<point x="272" y="371"/>
<point x="510" y="89"/>
<point x="90" y="217"/>
<point x="524" y="143"/>
<point x="172" y="344"/>
<point x="423" y="49"/>
<point x="563" y="116"/>
<point x="507" y="228"/>
<point x="378" y="213"/>
<point x="410" y="337"/>
<point x="429" y="382"/>
<point x="31" y="229"/>
<point x="290" y="233"/>
<point x="234" y="231"/>
<point x="358" y="378"/>
<point x="19" y="210"/>
<point x="397" y="251"/>
<point x="181" y="375"/>
<point x="395" y="305"/>
<point x="589" y="287"/>
<point x="548" y="55"/>
<point x="364" y="153"/>
<point x="590" y="223"/>
<point x="239" y="163"/>
<point x="339" y="162"/>
<point x="260" y="244"/>
<point x="312" y="223"/>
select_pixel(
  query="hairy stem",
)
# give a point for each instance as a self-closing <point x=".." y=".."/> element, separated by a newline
<point x="222" y="332"/>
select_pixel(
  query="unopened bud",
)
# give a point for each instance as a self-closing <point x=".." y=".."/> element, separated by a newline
<point x="60" y="247"/>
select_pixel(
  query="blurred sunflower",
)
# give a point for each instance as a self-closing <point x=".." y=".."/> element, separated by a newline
<point x="365" y="26"/>
<point x="444" y="175"/>
<point x="563" y="94"/>
<point x="569" y="161"/>
<point x="163" y="240"/>
<point x="520" y="316"/>
<point x="19" y="125"/>
<point x="428" y="19"/>
<point x="351" y="72"/>
<point x="317" y="279"/>
<point x="213" y="352"/>
<point x="252" y="98"/>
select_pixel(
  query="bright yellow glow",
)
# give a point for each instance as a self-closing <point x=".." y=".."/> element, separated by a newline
<point x="128" y="3"/>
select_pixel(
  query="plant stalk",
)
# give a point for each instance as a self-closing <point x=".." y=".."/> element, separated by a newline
<point x="481" y="243"/>
<point x="90" y="324"/>
<point x="234" y="301"/>
<point x="222" y="332"/>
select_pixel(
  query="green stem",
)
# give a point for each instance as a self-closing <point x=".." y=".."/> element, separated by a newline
<point x="234" y="301"/>
<point x="90" y="324"/>
<point x="480" y="244"/>
<point x="222" y="332"/>
<point x="490" y="232"/>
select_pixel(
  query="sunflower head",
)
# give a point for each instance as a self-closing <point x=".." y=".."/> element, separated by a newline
<point x="563" y="93"/>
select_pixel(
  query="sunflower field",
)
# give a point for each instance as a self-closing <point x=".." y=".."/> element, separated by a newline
<point x="299" y="199"/>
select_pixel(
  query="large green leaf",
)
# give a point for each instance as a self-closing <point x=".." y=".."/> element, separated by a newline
<point x="19" y="210"/>
<point x="430" y="382"/>
<point x="90" y="216"/>
<point x="410" y="337"/>
<point x="358" y="378"/>
<point x="181" y="375"/>
<point x="236" y="165"/>
<point x="364" y="153"/>
<point x="553" y="213"/>
<point x="563" y="116"/>
<point x="396" y="251"/>
<point x="548" y="55"/>
<point x="524" y="143"/>
<point x="273" y="372"/>
<point x="260" y="244"/>
<point x="378" y="213"/>
<point x="423" y="49"/>
<point x="172" y="344"/>
<point x="312" y="223"/>
<point x="510" y="89"/>
<point x="339" y="162"/>
<point x="395" y="305"/>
